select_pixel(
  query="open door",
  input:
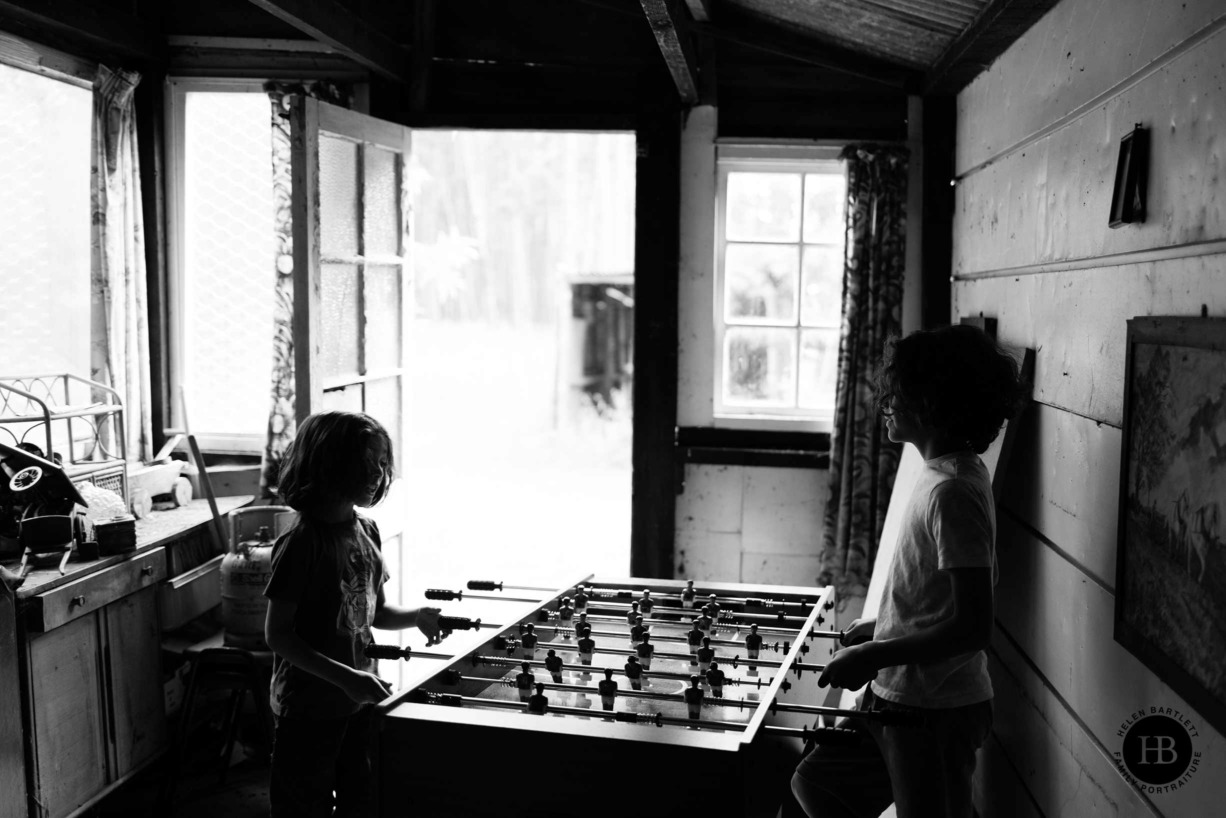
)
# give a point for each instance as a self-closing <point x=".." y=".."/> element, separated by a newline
<point x="352" y="277"/>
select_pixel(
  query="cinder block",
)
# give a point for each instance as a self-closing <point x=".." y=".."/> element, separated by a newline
<point x="712" y="500"/>
<point x="707" y="556"/>
<point x="784" y="510"/>
<point x="779" y="569"/>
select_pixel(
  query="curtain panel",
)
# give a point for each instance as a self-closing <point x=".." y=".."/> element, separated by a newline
<point x="863" y="461"/>
<point x="119" y="351"/>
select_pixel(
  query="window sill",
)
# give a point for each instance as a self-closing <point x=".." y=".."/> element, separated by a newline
<point x="753" y="447"/>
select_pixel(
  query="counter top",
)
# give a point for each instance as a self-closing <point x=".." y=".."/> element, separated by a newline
<point x="155" y="530"/>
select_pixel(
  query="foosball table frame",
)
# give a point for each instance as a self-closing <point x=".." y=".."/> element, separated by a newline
<point x="468" y="761"/>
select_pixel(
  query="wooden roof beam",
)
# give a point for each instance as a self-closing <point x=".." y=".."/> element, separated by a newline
<point x="668" y="23"/>
<point x="72" y="23"/>
<point x="335" y="25"/>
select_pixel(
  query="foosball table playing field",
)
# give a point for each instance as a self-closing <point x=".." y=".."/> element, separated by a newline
<point x="613" y="697"/>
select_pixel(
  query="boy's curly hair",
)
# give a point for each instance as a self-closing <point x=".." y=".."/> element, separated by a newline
<point x="955" y="379"/>
<point x="330" y="457"/>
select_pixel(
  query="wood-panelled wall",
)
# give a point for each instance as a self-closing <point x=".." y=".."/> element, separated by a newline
<point x="1038" y="137"/>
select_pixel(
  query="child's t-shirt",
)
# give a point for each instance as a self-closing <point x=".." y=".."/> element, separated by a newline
<point x="950" y="522"/>
<point x="333" y="571"/>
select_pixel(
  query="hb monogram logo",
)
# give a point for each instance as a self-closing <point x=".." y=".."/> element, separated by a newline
<point x="1157" y="754"/>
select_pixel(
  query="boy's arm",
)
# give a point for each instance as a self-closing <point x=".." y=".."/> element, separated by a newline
<point x="279" y="633"/>
<point x="389" y="617"/>
<point x="967" y="630"/>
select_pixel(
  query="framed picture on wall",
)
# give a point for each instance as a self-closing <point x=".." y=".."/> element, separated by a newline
<point x="1170" y="589"/>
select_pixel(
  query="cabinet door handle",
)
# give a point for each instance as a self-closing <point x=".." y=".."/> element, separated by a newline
<point x="76" y="601"/>
<point x="147" y="570"/>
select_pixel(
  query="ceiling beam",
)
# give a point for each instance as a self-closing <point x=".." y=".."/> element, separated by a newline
<point x="335" y="25"/>
<point x="80" y="26"/>
<point x="668" y="22"/>
<point x="700" y="10"/>
<point x="423" y="54"/>
<point x="1000" y="24"/>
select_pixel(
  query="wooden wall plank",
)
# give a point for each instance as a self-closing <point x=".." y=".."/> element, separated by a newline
<point x="1063" y="770"/>
<point x="1076" y="322"/>
<point x="1063" y="481"/>
<point x="12" y="744"/>
<point x="1050" y="201"/>
<point x="1063" y="622"/>
<point x="1079" y="50"/>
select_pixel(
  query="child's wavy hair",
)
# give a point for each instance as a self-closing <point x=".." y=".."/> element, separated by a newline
<point x="955" y="379"/>
<point x="331" y="457"/>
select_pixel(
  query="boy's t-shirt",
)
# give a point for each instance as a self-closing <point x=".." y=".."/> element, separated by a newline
<point x="334" y="572"/>
<point x="950" y="522"/>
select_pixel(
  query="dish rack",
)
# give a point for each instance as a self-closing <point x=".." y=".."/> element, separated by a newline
<point x="74" y="421"/>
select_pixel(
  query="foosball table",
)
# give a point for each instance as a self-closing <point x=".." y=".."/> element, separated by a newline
<point x="613" y="697"/>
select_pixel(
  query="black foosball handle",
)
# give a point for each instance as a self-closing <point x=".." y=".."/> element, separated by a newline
<point x="483" y="585"/>
<point x="458" y="623"/>
<point x="374" y="651"/>
<point x="447" y="596"/>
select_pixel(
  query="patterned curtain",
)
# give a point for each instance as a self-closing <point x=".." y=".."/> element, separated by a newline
<point x="863" y="461"/>
<point x="120" y="332"/>
<point x="281" y="422"/>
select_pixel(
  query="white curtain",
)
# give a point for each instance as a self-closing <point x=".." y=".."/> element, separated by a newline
<point x="120" y="348"/>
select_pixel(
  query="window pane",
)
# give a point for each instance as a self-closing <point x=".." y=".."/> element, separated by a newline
<point x="760" y="282"/>
<point x="763" y="207"/>
<point x="344" y="399"/>
<point x="819" y="364"/>
<point x="339" y="304"/>
<point x="825" y="197"/>
<point x="381" y="198"/>
<point x="229" y="256"/>
<point x="383" y="333"/>
<point x="383" y="404"/>
<point x="338" y="196"/>
<point x="759" y="367"/>
<point x="822" y="281"/>
<point x="44" y="225"/>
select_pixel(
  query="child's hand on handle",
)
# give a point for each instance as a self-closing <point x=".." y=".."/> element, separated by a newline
<point x="851" y="668"/>
<point x="365" y="687"/>
<point x="860" y="631"/>
<point x="427" y="623"/>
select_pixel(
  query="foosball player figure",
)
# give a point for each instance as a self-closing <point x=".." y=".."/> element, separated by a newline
<point x="645" y="649"/>
<point x="528" y="641"/>
<point x="524" y="682"/>
<point x="706" y="654"/>
<point x="687" y="595"/>
<point x="586" y="646"/>
<point x="581" y="599"/>
<point x="693" y="638"/>
<point x="646" y="603"/>
<point x="705" y="622"/>
<point x="582" y="623"/>
<point x="753" y="642"/>
<point x="693" y="696"/>
<point x="553" y="663"/>
<point x="715" y="678"/>
<point x="632" y="614"/>
<point x="565" y="612"/>
<point x="539" y="702"/>
<point x="636" y="632"/>
<point x="634" y="672"/>
<point x="713" y="606"/>
<point x="608" y="689"/>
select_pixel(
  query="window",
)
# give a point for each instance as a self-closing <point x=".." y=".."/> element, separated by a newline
<point x="44" y="224"/>
<point x="779" y="282"/>
<point x="222" y="258"/>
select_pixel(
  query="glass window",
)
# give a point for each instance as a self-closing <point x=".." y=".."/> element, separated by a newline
<point x="44" y="224"/>
<point x="223" y="269"/>
<point x="779" y="287"/>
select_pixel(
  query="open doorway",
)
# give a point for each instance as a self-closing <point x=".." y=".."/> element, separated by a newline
<point x="518" y="411"/>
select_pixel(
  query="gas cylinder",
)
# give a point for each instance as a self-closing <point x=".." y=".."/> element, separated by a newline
<point x="244" y="574"/>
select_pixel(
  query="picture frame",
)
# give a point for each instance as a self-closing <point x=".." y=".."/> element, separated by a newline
<point x="1170" y="586"/>
<point x="1128" y="195"/>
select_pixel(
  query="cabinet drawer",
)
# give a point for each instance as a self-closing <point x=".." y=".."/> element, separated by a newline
<point x="88" y="594"/>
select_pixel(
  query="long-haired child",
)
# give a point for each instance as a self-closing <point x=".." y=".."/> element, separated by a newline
<point x="324" y="596"/>
<point x="946" y="392"/>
